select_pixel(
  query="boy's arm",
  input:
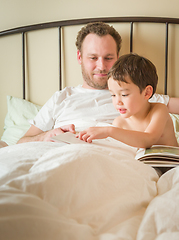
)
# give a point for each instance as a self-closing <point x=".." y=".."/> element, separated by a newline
<point x="130" y="137"/>
<point x="133" y="138"/>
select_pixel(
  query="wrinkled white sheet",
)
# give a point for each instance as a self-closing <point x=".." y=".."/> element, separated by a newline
<point x="84" y="192"/>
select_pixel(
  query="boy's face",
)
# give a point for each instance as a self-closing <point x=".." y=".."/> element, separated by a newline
<point x="126" y="97"/>
<point x="96" y="58"/>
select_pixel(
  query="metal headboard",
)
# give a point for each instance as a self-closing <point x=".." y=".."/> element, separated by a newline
<point x="59" y="24"/>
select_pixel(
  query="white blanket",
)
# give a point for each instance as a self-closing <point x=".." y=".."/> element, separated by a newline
<point x="84" y="192"/>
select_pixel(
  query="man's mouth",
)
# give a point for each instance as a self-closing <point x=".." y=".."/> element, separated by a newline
<point x="99" y="74"/>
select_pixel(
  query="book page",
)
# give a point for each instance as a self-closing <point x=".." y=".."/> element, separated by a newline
<point x="68" y="137"/>
<point x="162" y="149"/>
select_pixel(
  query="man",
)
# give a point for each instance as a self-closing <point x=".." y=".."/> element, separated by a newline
<point x="76" y="108"/>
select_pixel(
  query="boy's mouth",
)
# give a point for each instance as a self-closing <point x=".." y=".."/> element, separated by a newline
<point x="122" y="110"/>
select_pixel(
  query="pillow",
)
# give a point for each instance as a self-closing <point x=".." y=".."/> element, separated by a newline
<point x="175" y="119"/>
<point x="16" y="121"/>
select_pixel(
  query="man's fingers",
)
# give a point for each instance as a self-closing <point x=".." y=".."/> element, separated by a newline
<point x="68" y="128"/>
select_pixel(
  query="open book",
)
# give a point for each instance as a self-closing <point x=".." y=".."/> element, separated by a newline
<point x="159" y="156"/>
<point x="67" y="137"/>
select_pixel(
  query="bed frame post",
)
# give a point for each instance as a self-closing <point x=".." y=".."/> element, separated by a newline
<point x="131" y="38"/>
<point x="23" y="63"/>
<point x="166" y="59"/>
<point x="60" y="60"/>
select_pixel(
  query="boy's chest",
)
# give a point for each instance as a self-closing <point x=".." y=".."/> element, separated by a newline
<point x="135" y="125"/>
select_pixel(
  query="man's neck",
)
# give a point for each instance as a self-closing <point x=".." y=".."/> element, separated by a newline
<point x="84" y="85"/>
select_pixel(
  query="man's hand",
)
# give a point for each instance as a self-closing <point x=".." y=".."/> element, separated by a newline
<point x="46" y="136"/>
<point x="35" y="134"/>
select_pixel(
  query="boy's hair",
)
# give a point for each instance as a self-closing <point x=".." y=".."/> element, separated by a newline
<point x="141" y="71"/>
<point x="101" y="29"/>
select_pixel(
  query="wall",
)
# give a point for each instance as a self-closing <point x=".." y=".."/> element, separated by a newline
<point x="15" y="13"/>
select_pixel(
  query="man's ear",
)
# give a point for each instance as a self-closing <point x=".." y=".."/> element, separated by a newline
<point x="79" y="56"/>
<point x="148" y="91"/>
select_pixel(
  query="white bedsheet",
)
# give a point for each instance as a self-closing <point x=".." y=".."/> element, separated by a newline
<point x="84" y="192"/>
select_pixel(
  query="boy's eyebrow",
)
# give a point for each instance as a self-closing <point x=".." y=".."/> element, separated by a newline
<point x="121" y="90"/>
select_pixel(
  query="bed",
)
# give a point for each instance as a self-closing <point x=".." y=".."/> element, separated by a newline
<point x="53" y="190"/>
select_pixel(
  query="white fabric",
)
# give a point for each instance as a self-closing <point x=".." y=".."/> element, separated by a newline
<point x="161" y="220"/>
<point x="160" y="98"/>
<point x="84" y="191"/>
<point x="81" y="107"/>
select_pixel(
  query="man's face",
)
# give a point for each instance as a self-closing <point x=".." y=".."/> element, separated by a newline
<point x="97" y="56"/>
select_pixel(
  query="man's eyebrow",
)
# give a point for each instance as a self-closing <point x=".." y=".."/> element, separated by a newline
<point x="91" y="54"/>
<point x="95" y="54"/>
<point x="110" y="54"/>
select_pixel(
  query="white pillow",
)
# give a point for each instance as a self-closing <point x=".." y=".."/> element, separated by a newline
<point x="175" y="119"/>
<point x="16" y="122"/>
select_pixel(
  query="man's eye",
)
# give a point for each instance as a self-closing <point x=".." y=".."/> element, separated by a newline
<point x="93" y="58"/>
<point x="109" y="59"/>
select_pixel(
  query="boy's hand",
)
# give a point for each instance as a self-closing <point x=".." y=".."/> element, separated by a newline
<point x="93" y="133"/>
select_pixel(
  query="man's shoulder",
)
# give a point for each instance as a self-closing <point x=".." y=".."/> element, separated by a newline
<point x="160" y="98"/>
<point x="67" y="90"/>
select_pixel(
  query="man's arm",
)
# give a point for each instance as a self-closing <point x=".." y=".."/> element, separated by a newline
<point x="35" y="134"/>
<point x="173" y="105"/>
<point x="3" y="144"/>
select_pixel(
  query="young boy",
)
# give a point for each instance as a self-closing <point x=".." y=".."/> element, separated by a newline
<point x="132" y="81"/>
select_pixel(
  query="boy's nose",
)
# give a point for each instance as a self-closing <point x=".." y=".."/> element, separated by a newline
<point x="119" y="101"/>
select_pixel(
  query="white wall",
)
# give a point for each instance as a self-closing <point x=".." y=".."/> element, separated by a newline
<point x="14" y="13"/>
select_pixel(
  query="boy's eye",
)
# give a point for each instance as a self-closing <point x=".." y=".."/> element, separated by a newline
<point x="125" y="95"/>
<point x="112" y="95"/>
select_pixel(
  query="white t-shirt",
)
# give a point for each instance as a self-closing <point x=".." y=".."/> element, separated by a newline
<point x="81" y="107"/>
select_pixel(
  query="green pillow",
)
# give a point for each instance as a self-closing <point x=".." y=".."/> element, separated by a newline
<point x="16" y="121"/>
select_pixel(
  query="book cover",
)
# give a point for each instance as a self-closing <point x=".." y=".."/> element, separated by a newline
<point x="159" y="155"/>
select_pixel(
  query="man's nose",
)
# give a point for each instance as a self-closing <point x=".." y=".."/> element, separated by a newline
<point x="101" y="64"/>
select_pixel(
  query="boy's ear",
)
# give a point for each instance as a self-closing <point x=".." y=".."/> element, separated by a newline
<point x="79" y="56"/>
<point x="148" y="91"/>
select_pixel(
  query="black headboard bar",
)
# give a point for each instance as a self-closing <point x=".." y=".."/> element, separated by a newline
<point x="166" y="59"/>
<point x="23" y="64"/>
<point x="60" y="58"/>
<point x="59" y="24"/>
<point x="131" y="37"/>
<point x="87" y="20"/>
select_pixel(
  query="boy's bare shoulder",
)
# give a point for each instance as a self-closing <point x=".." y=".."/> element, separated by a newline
<point x="158" y="106"/>
<point x="120" y="122"/>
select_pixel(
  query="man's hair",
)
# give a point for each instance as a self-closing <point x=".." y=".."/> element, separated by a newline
<point x="100" y="29"/>
<point x="141" y="71"/>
